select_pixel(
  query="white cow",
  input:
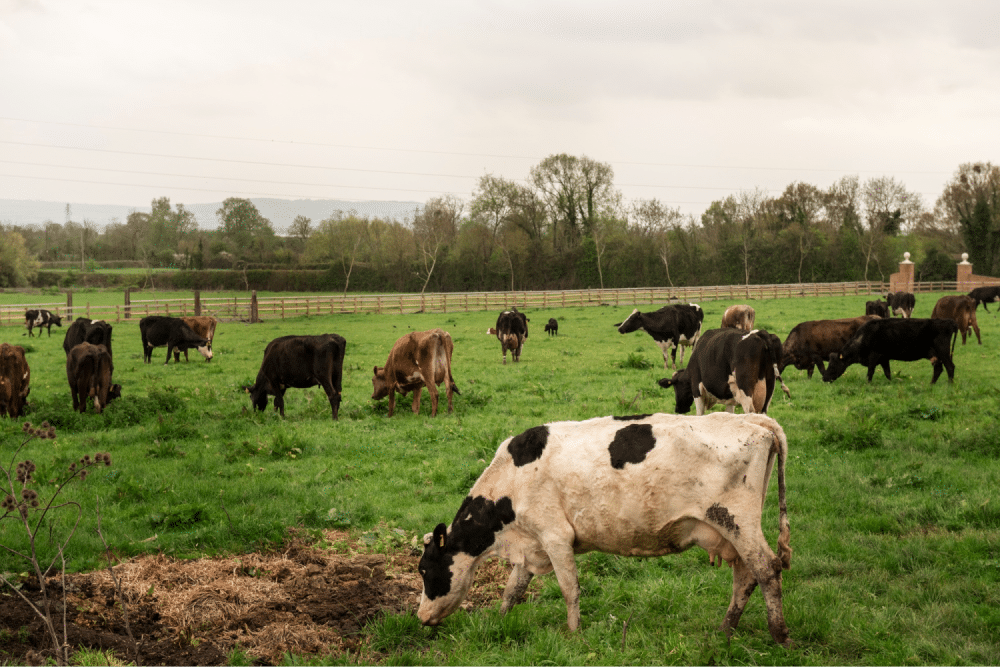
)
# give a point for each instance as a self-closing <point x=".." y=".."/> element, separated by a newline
<point x="646" y="485"/>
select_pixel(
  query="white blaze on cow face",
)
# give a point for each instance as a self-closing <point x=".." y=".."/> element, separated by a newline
<point x="206" y="351"/>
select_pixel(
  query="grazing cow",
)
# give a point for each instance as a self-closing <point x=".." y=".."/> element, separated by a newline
<point x="879" y="341"/>
<point x="739" y="317"/>
<point x="728" y="366"/>
<point x="961" y="309"/>
<point x="419" y="359"/>
<point x="157" y="330"/>
<point x="811" y="343"/>
<point x="901" y="303"/>
<point x="204" y="326"/>
<point x="86" y="330"/>
<point x="670" y="327"/>
<point x="511" y="331"/>
<point x="985" y="295"/>
<point x="88" y="369"/>
<point x="15" y="380"/>
<point x="646" y="485"/>
<point x="878" y="307"/>
<point x="552" y="328"/>
<point x="300" y="362"/>
<point x="41" y="318"/>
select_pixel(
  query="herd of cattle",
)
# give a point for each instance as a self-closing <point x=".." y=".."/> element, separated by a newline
<point x="641" y="485"/>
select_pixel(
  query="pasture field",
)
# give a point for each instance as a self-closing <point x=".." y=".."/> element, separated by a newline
<point x="893" y="487"/>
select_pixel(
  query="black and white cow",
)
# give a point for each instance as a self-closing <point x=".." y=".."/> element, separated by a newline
<point x="877" y="307"/>
<point x="646" y="485"/>
<point x="511" y="330"/>
<point x="41" y="318"/>
<point x="552" y="328"/>
<point x="300" y="362"/>
<point x="879" y="341"/>
<point x="670" y="327"/>
<point x="985" y="295"/>
<point x="86" y="330"/>
<point x="729" y="366"/>
<point x="901" y="303"/>
<point x="158" y="330"/>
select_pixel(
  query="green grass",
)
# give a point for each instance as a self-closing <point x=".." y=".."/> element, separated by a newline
<point x="892" y="486"/>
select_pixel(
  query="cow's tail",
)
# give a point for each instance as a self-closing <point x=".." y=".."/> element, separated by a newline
<point x="954" y="339"/>
<point x="784" y="532"/>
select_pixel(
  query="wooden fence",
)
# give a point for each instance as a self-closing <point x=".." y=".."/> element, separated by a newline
<point x="239" y="308"/>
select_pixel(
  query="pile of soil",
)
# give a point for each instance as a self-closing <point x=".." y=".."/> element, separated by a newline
<point x="300" y="599"/>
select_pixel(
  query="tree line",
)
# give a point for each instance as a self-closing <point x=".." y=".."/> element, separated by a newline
<point x="566" y="226"/>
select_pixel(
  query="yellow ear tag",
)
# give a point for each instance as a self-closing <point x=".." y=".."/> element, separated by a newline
<point x="441" y="544"/>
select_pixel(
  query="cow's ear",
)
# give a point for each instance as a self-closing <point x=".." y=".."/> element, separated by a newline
<point x="375" y="370"/>
<point x="440" y="535"/>
<point x="427" y="538"/>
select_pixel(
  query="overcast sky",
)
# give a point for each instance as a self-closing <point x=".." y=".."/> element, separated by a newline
<point x="120" y="102"/>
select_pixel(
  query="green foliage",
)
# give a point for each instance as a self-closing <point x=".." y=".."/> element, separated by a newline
<point x="635" y="360"/>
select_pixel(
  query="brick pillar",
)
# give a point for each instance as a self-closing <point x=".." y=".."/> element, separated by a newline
<point x="903" y="280"/>
<point x="963" y="274"/>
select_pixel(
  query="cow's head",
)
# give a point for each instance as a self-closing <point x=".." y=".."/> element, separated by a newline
<point x="380" y="387"/>
<point x="206" y="350"/>
<point x="258" y="395"/>
<point x="56" y="320"/>
<point x="683" y="396"/>
<point x="450" y="558"/>
<point x="631" y="323"/>
<point x="835" y="367"/>
<point x="114" y="392"/>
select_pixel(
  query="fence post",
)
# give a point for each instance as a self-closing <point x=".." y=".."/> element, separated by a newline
<point x="69" y="305"/>
<point x="282" y="309"/>
<point x="128" y="303"/>
<point x="118" y="315"/>
<point x="254" y="315"/>
<point x="197" y="303"/>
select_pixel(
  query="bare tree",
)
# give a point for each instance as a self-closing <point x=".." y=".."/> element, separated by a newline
<point x="434" y="227"/>
<point x="657" y="223"/>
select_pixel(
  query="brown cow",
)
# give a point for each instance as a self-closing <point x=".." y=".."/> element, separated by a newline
<point x="204" y="326"/>
<point x="960" y="308"/>
<point x="810" y="343"/>
<point x="88" y="369"/>
<point x="15" y="380"/>
<point x="418" y="359"/>
<point x="739" y="317"/>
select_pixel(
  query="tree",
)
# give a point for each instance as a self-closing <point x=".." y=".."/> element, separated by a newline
<point x="434" y="227"/>
<point x="888" y="208"/>
<point x="971" y="203"/>
<point x="340" y="239"/>
<point x="657" y="223"/>
<point x="800" y="206"/>
<point x="300" y="230"/>
<point x="576" y="192"/>
<point x="17" y="266"/>
<point x="247" y="231"/>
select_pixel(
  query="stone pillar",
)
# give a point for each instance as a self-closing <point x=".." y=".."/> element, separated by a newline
<point x="903" y="280"/>
<point x="963" y="274"/>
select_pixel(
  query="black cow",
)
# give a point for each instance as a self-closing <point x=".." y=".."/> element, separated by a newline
<point x="901" y="303"/>
<point x="984" y="295"/>
<point x="300" y="362"/>
<point x="88" y="369"/>
<point x="728" y="366"/>
<point x="552" y="328"/>
<point x="511" y="331"/>
<point x="86" y="330"/>
<point x="157" y="330"/>
<point x="879" y="341"/>
<point x="878" y="307"/>
<point x="41" y="318"/>
<point x="670" y="327"/>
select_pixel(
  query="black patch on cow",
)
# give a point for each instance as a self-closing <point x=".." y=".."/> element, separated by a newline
<point x="721" y="516"/>
<point x="630" y="418"/>
<point x="478" y="521"/>
<point x="631" y="444"/>
<point x="435" y="566"/>
<point x="528" y="446"/>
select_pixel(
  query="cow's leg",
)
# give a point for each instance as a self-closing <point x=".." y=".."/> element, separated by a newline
<point x="517" y="584"/>
<point x="744" y="584"/>
<point x="279" y="401"/>
<point x="765" y="567"/>
<point x="332" y="396"/>
<point x="416" y="401"/>
<point x="975" y="327"/>
<point x="433" y="391"/>
<point x="392" y="400"/>
<point x="169" y="351"/>
<point x="885" y="369"/>
<point x="559" y="548"/>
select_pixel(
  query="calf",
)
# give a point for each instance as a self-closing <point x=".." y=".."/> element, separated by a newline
<point x="961" y="309"/>
<point x="41" y="318"/>
<point x="419" y="359"/>
<point x="157" y="330"/>
<point x="878" y="307"/>
<point x="811" y="343"/>
<point x="511" y="331"/>
<point x="879" y="341"/>
<point x="985" y="295"/>
<point x="552" y="328"/>
<point x="670" y="327"/>
<point x="88" y="369"/>
<point x="901" y="303"/>
<point x="204" y="326"/>
<point x="15" y="380"/>
<point x="646" y="485"/>
<point x="739" y="317"/>
<point x="86" y="330"/>
<point x="729" y="367"/>
<point x="300" y="362"/>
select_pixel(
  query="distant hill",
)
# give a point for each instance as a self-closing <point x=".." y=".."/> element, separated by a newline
<point x="281" y="212"/>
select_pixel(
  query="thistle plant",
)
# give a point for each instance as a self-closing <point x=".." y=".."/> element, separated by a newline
<point x="21" y="505"/>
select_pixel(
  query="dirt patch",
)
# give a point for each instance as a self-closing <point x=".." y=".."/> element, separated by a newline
<point x="300" y="599"/>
